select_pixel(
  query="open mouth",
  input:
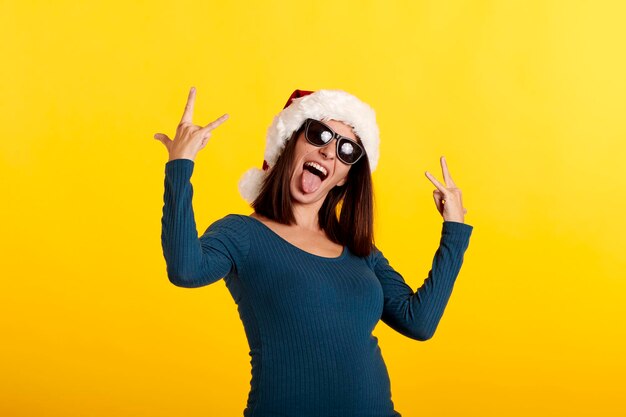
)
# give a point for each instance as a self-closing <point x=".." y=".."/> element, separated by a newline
<point x="313" y="174"/>
<point x="316" y="169"/>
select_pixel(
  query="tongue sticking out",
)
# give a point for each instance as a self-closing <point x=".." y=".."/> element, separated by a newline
<point x="310" y="181"/>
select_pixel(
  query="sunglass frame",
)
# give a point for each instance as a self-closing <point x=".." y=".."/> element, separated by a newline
<point x="335" y="136"/>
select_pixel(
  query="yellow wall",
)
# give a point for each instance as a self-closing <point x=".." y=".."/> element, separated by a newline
<point x="524" y="98"/>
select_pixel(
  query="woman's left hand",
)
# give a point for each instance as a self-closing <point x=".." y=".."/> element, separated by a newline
<point x="448" y="197"/>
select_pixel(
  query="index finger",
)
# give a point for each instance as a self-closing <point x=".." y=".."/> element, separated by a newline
<point x="188" y="113"/>
<point x="439" y="185"/>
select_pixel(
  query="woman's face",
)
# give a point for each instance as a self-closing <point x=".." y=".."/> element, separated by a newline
<point x="305" y="185"/>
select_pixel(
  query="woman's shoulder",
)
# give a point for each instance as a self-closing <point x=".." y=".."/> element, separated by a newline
<point x="230" y="231"/>
<point x="373" y="257"/>
<point x="232" y="219"/>
<point x="230" y="223"/>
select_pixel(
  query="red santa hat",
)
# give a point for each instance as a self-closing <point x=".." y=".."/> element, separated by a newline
<point x="321" y="105"/>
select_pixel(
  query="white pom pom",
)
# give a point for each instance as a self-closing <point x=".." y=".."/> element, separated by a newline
<point x="250" y="183"/>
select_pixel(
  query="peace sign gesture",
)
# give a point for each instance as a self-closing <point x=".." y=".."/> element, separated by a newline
<point x="447" y="197"/>
<point x="189" y="139"/>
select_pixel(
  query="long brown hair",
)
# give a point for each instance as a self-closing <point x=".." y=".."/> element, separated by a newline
<point x="354" y="200"/>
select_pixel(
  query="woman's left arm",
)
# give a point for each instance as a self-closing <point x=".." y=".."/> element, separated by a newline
<point x="417" y="314"/>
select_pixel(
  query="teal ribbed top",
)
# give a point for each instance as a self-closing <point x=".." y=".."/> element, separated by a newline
<point x="308" y="318"/>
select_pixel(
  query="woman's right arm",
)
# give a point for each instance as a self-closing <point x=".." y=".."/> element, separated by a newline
<point x="193" y="262"/>
<point x="179" y="236"/>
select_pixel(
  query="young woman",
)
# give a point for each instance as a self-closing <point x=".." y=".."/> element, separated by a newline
<point x="309" y="283"/>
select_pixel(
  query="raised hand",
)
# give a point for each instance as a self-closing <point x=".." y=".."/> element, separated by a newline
<point x="448" y="197"/>
<point x="190" y="138"/>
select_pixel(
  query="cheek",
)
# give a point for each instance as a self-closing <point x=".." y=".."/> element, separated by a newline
<point x="342" y="174"/>
<point x="344" y="169"/>
<point x="299" y="152"/>
<point x="303" y="148"/>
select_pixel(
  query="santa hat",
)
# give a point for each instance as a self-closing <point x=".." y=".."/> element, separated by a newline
<point x="321" y="105"/>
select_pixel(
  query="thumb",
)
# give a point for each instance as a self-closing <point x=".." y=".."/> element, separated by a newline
<point x="163" y="138"/>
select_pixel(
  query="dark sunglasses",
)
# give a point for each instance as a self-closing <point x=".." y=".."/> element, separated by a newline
<point x="319" y="134"/>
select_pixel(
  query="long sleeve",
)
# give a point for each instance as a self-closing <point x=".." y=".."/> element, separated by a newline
<point x="417" y="314"/>
<point x="192" y="261"/>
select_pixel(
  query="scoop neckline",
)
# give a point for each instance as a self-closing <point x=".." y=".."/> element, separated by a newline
<point x="325" y="258"/>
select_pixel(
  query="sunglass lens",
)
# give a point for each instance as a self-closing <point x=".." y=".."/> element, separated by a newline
<point x="348" y="152"/>
<point x="319" y="134"/>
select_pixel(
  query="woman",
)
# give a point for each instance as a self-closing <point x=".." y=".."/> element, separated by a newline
<point x="309" y="283"/>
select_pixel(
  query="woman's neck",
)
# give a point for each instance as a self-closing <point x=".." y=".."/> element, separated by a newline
<point x="307" y="215"/>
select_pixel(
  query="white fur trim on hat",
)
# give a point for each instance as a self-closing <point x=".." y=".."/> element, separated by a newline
<point x="321" y="105"/>
<point x="250" y="183"/>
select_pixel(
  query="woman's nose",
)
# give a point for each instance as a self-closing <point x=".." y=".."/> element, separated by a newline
<point x="328" y="150"/>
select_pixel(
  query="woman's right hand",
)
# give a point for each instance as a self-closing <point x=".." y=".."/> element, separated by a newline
<point x="189" y="139"/>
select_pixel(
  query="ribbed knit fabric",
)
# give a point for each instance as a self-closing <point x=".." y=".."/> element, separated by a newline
<point x="308" y="318"/>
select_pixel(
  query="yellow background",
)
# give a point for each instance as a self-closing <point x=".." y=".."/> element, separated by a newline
<point x="526" y="99"/>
